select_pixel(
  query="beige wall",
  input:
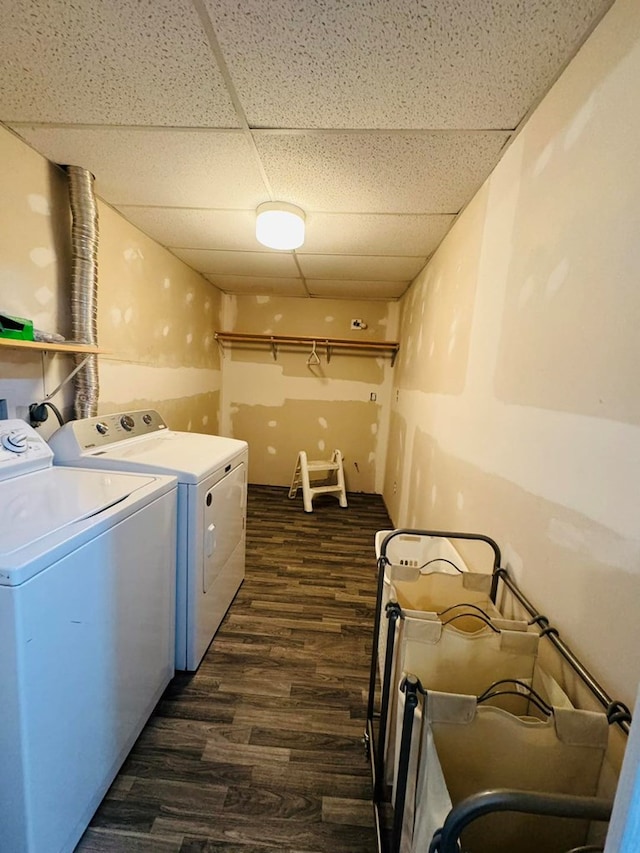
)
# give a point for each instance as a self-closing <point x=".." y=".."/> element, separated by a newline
<point x="285" y="405"/>
<point x="156" y="317"/>
<point x="516" y="409"/>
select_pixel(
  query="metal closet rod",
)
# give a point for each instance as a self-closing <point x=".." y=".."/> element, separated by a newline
<point x="617" y="712"/>
<point x="308" y="340"/>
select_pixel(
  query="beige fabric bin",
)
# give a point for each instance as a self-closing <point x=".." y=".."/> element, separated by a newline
<point x="466" y="747"/>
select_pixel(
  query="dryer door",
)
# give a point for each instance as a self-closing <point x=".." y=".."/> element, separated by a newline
<point x="224" y="521"/>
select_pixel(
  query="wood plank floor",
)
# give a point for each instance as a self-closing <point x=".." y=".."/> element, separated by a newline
<point x="261" y="749"/>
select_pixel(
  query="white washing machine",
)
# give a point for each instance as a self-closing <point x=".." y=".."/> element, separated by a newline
<point x="212" y="508"/>
<point x="87" y="609"/>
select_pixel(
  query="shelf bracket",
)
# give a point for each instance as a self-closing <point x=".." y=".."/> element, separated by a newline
<point x="328" y="345"/>
<point x="76" y="369"/>
<point x="274" y="349"/>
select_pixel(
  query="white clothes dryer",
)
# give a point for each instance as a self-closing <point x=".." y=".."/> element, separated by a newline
<point x="212" y="507"/>
<point x="87" y="623"/>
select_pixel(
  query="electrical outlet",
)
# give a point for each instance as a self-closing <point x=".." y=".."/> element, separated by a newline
<point x="373" y="396"/>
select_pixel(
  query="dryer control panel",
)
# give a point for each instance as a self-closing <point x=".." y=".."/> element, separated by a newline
<point x="76" y="437"/>
<point x="22" y="449"/>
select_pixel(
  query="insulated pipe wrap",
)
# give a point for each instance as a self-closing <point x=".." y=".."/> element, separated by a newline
<point x="84" y="286"/>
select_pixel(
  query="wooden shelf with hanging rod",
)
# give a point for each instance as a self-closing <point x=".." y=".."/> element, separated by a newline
<point x="327" y="344"/>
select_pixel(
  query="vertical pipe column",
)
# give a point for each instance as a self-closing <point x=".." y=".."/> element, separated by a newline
<point x="84" y="285"/>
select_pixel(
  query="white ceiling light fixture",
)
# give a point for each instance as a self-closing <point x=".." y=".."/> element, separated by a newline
<point x="280" y="225"/>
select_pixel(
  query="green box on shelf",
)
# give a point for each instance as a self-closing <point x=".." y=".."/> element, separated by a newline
<point x="16" y="328"/>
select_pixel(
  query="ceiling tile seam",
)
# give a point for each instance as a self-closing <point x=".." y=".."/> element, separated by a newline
<point x="135" y="128"/>
<point x="214" y="44"/>
<point x="296" y="254"/>
<point x="328" y="131"/>
<point x="302" y="275"/>
<point x="177" y="208"/>
<point x="369" y="297"/>
<point x="376" y="131"/>
<point x="262" y="275"/>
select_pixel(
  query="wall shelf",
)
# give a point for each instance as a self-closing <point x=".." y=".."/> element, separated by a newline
<point x="308" y="342"/>
<point x="44" y="346"/>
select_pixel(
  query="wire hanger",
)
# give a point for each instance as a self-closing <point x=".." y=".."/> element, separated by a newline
<point x="467" y="606"/>
<point x="529" y="693"/>
<point x="313" y="356"/>
<point x="482" y="618"/>
<point x="441" y="560"/>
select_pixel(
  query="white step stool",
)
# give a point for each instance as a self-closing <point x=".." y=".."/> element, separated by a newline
<point x="301" y="478"/>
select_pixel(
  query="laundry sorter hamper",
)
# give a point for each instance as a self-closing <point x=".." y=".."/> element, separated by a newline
<point x="541" y="717"/>
<point x="424" y="574"/>
<point x="467" y="747"/>
<point x="446" y="659"/>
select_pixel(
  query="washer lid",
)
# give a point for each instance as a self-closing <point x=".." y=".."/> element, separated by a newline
<point x="190" y="456"/>
<point x="37" y="505"/>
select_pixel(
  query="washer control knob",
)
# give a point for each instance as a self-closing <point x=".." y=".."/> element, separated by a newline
<point x="102" y="428"/>
<point x="147" y="419"/>
<point x="127" y="422"/>
<point x="15" y="441"/>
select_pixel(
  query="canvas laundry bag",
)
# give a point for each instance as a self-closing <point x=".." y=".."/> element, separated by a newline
<point x="466" y="747"/>
<point x="446" y="659"/>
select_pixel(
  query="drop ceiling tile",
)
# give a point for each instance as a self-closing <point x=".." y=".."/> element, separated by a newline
<point x="178" y="168"/>
<point x="186" y="228"/>
<point x="240" y="263"/>
<point x="353" y="267"/>
<point x="393" y="64"/>
<point x="379" y="172"/>
<point x="131" y="62"/>
<point x="370" y="234"/>
<point x="336" y="289"/>
<point x="259" y="286"/>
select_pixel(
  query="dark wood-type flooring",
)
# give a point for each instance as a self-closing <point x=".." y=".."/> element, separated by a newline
<point x="261" y="749"/>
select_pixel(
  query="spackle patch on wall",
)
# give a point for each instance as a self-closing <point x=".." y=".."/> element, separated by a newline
<point x="132" y="254"/>
<point x="116" y="316"/>
<point x="189" y="338"/>
<point x="557" y="277"/>
<point x="43" y="295"/>
<point x="262" y="300"/>
<point x="271" y="450"/>
<point x="39" y="204"/>
<point x="579" y="124"/>
<point x="323" y="422"/>
<point x="526" y="291"/>
<point x="42" y="256"/>
<point x="128" y="315"/>
<point x="166" y="283"/>
<point x="321" y="444"/>
<point x="543" y="160"/>
<point x="272" y="424"/>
